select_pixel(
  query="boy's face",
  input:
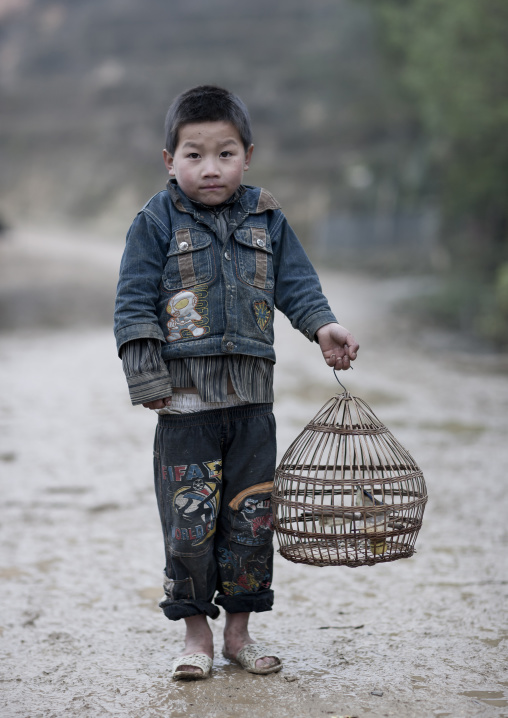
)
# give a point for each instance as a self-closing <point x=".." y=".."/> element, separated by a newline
<point x="209" y="161"/>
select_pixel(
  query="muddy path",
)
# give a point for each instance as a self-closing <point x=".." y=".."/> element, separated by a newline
<point x="81" y="552"/>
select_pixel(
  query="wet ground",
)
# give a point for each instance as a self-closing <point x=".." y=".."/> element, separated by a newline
<point x="81" y="553"/>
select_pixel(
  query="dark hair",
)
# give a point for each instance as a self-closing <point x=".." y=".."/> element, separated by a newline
<point x="207" y="103"/>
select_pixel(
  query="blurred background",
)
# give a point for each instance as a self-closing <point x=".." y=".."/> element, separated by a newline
<point x="380" y="125"/>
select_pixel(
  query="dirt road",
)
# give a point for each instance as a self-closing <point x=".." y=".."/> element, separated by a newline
<point x="81" y="554"/>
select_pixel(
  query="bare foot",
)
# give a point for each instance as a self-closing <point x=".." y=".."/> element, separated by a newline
<point x="198" y="639"/>
<point x="236" y="637"/>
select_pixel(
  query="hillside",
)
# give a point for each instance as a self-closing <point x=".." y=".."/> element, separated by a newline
<point x="84" y="87"/>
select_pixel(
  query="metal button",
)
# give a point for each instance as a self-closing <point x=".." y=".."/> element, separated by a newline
<point x="260" y="242"/>
<point x="227" y="255"/>
<point x="230" y="346"/>
<point x="183" y="246"/>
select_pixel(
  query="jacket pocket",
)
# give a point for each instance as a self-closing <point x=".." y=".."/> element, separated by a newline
<point x="254" y="261"/>
<point x="189" y="260"/>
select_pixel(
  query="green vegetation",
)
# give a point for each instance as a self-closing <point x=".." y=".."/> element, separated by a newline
<point x="451" y="58"/>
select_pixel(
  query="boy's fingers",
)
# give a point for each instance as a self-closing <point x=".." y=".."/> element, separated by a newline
<point x="343" y="363"/>
<point x="352" y="346"/>
<point x="158" y="403"/>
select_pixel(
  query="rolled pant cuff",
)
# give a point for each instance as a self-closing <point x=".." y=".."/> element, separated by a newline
<point x="174" y="610"/>
<point x="246" y="603"/>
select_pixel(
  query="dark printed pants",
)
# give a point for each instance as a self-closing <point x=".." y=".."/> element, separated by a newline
<point x="213" y="478"/>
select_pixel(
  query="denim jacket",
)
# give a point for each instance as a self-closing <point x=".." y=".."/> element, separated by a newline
<point x="199" y="296"/>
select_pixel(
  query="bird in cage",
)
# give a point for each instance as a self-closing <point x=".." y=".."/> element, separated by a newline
<point x="373" y="520"/>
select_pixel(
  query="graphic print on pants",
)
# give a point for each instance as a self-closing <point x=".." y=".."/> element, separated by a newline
<point x="247" y="567"/>
<point x="194" y="505"/>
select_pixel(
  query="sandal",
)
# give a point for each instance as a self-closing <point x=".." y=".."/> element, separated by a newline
<point x="248" y="655"/>
<point x="197" y="660"/>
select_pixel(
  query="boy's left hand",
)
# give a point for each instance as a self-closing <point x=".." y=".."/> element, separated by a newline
<point x="158" y="403"/>
<point x="338" y="345"/>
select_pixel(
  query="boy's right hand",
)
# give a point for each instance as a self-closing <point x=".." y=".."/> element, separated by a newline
<point x="158" y="403"/>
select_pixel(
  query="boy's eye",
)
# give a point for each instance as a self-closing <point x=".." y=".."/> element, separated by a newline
<point x="226" y="153"/>
<point x="193" y="155"/>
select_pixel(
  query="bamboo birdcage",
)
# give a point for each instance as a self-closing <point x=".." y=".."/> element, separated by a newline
<point x="346" y="493"/>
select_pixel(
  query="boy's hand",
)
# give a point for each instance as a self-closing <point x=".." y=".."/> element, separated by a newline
<point x="158" y="403"/>
<point x="338" y="345"/>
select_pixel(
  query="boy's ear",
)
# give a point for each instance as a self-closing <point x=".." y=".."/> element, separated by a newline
<point x="248" y="156"/>
<point x="169" y="162"/>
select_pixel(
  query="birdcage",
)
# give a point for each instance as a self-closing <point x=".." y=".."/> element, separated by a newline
<point x="346" y="493"/>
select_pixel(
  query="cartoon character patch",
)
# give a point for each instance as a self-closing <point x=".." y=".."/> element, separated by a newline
<point x="252" y="515"/>
<point x="263" y="314"/>
<point x="196" y="503"/>
<point x="197" y="508"/>
<point x="184" y="308"/>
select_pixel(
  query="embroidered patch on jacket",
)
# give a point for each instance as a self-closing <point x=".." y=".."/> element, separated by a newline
<point x="263" y="314"/>
<point x="189" y="314"/>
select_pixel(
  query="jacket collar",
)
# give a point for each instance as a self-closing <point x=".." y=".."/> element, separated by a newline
<point x="253" y="200"/>
<point x="257" y="200"/>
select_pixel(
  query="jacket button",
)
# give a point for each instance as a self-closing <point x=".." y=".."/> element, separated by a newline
<point x="227" y="255"/>
<point x="183" y="246"/>
<point x="230" y="346"/>
<point x="260" y="242"/>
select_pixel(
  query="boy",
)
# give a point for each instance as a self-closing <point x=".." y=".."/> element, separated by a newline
<point x="206" y="262"/>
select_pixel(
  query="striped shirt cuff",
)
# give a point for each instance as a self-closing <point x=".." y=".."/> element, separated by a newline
<point x="149" y="386"/>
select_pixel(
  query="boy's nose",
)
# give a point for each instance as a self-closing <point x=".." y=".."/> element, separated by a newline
<point x="210" y="169"/>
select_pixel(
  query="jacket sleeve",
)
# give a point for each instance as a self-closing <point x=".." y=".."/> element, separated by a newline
<point x="298" y="292"/>
<point x="141" y="270"/>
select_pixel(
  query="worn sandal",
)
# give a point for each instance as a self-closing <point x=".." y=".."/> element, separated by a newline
<point x="248" y="656"/>
<point x="197" y="660"/>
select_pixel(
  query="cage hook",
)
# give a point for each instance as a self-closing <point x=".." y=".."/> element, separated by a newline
<point x="342" y="385"/>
